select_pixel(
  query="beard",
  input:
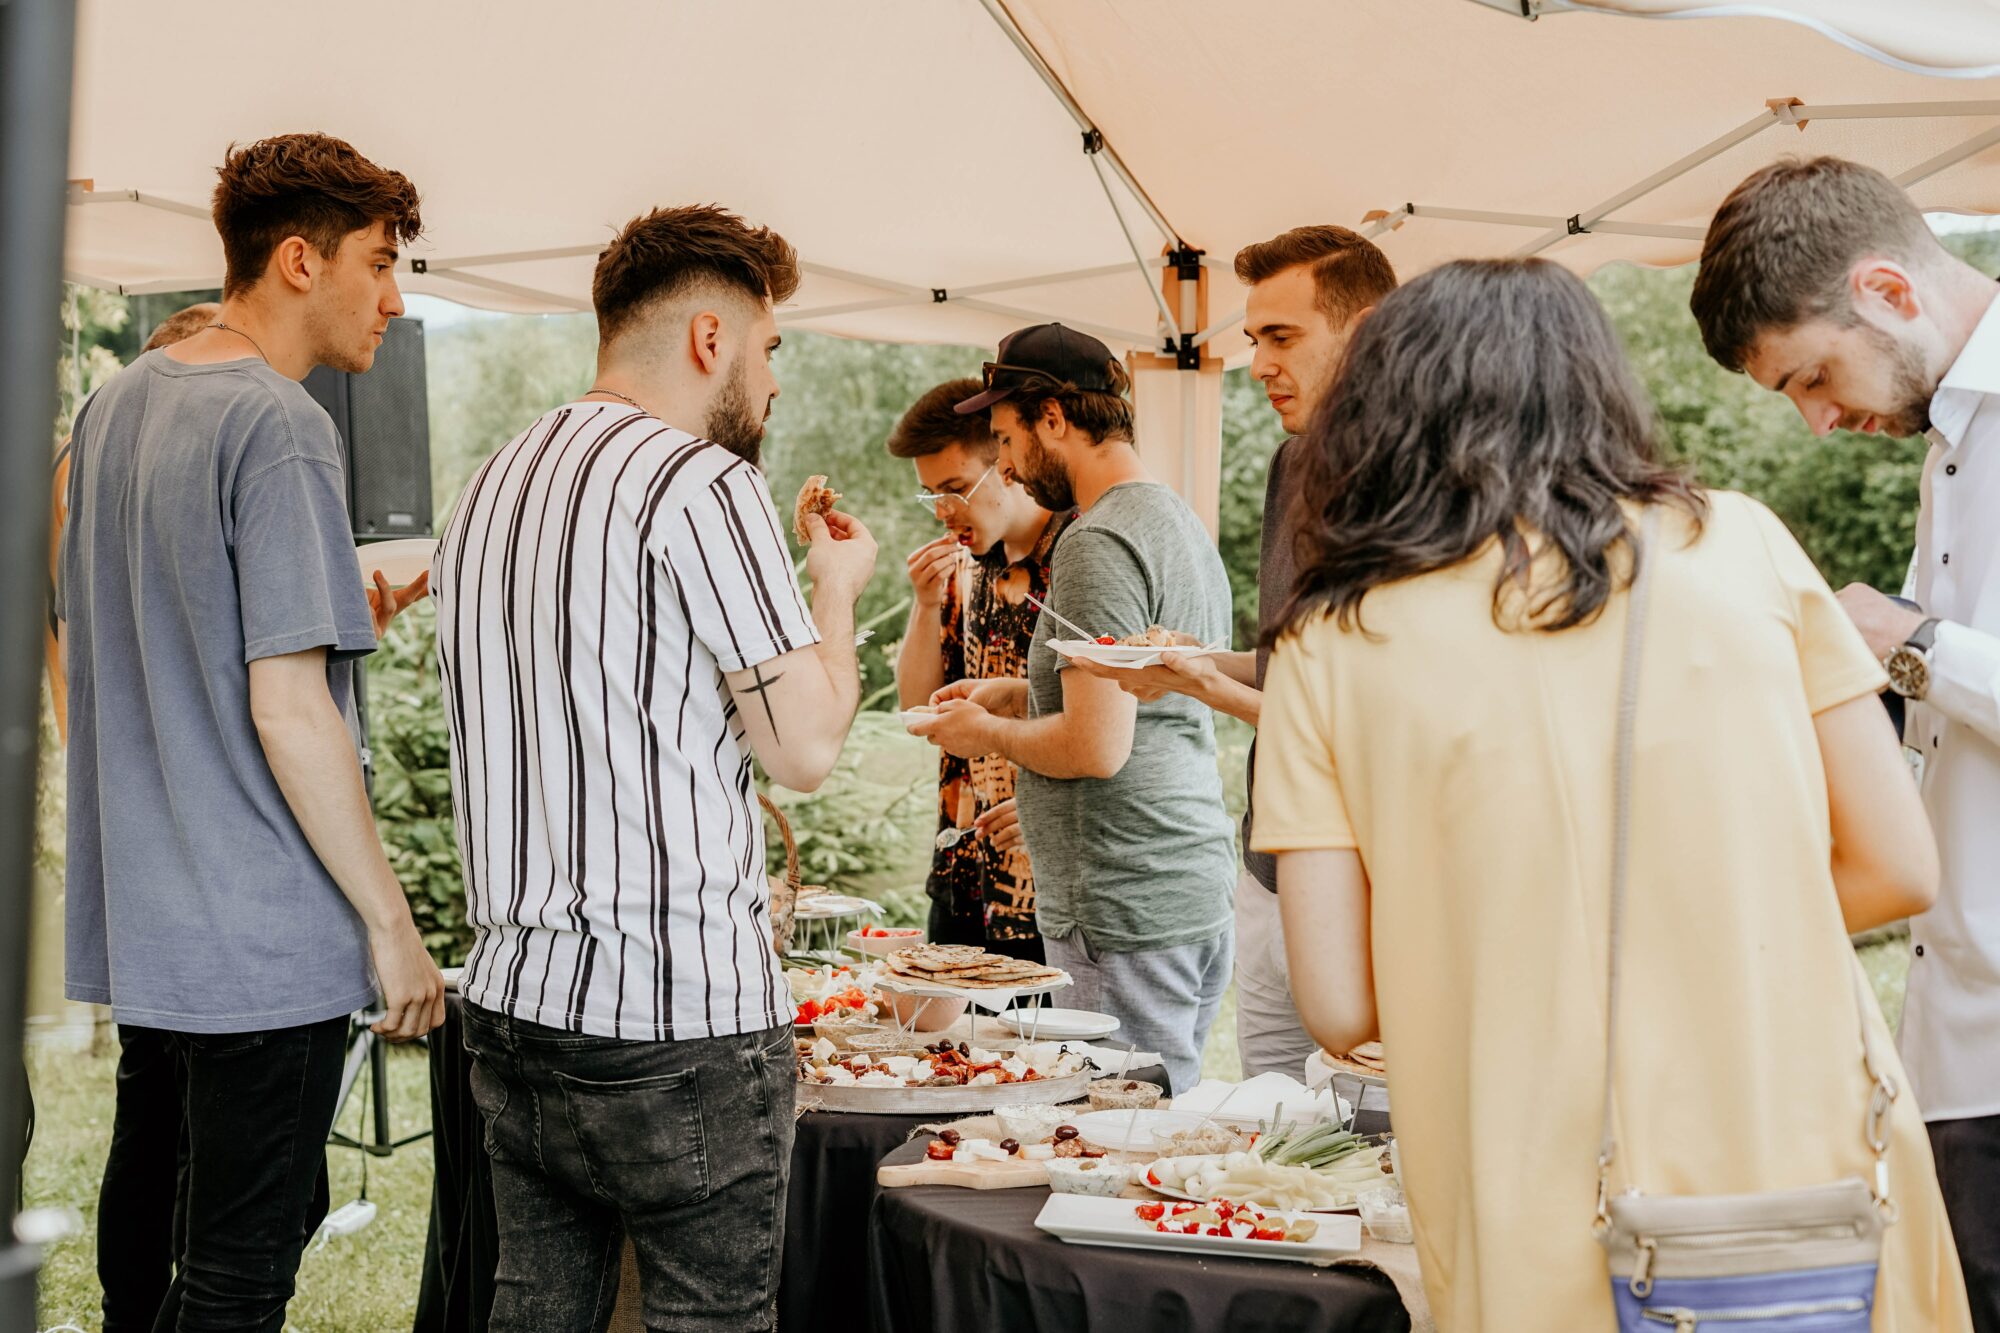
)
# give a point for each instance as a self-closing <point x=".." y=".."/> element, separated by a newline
<point x="1910" y="386"/>
<point x="1044" y="477"/>
<point x="731" y="421"/>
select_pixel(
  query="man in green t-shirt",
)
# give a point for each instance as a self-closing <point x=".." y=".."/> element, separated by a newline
<point x="1121" y="803"/>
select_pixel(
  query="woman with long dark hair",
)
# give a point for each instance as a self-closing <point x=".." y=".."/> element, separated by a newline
<point x="1436" y="773"/>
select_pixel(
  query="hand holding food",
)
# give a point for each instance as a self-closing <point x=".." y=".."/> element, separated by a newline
<point x="815" y="499"/>
<point x="930" y="568"/>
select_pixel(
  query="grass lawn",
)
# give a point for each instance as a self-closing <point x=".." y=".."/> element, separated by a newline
<point x="364" y="1283"/>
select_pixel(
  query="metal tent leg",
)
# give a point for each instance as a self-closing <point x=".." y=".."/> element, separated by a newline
<point x="37" y="39"/>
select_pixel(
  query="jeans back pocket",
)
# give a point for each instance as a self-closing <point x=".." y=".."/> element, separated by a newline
<point x="640" y="1139"/>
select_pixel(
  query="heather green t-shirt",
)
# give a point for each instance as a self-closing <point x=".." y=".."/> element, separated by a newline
<point x="1145" y="859"/>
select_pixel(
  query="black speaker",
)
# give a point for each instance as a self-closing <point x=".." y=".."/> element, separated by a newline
<point x="384" y="422"/>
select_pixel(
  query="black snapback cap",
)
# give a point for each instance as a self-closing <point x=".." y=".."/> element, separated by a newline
<point x="1043" y="351"/>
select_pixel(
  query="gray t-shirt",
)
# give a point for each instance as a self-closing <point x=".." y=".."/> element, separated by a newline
<point x="208" y="528"/>
<point x="1144" y="859"/>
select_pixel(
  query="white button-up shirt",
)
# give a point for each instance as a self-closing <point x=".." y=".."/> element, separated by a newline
<point x="1950" y="1035"/>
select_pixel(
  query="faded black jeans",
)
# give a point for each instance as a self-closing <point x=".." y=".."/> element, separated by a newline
<point x="684" y="1146"/>
<point x="252" y="1183"/>
<point x="136" y="1238"/>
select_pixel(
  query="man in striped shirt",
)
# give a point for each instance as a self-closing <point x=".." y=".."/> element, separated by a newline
<point x="619" y="630"/>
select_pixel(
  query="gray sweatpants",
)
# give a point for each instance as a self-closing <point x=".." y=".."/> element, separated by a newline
<point x="1164" y="999"/>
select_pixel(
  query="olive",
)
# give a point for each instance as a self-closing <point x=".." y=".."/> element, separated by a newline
<point x="1065" y="1132"/>
<point x="1010" y="1145"/>
<point x="963" y="1049"/>
<point x="950" y="1136"/>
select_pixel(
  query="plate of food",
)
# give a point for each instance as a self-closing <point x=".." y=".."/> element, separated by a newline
<point x="953" y="968"/>
<point x="1220" y="1226"/>
<point x="1318" y="1169"/>
<point x="827" y="906"/>
<point x="940" y="1077"/>
<point x="1149" y="648"/>
<point x="1052" y="1024"/>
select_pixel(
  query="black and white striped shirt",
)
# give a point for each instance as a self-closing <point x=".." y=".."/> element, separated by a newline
<point x="600" y="574"/>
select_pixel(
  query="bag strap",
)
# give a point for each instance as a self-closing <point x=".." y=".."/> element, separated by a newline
<point x="1883" y="1090"/>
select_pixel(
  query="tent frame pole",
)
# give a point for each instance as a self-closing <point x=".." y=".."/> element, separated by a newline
<point x="997" y="10"/>
<point x="1779" y="111"/>
<point x="37" y="57"/>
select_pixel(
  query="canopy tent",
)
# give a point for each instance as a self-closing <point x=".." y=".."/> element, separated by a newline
<point x="953" y="169"/>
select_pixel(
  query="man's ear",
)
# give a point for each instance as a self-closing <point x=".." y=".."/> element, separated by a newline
<point x="1884" y="289"/>
<point x="705" y="341"/>
<point x="1053" y="420"/>
<point x="296" y="263"/>
<point x="1363" y="313"/>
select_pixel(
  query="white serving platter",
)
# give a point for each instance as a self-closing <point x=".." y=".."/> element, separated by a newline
<point x="1083" y="1220"/>
<point x="400" y="561"/>
<point x="1132" y="1131"/>
<point x="833" y="906"/>
<point x="1183" y="1162"/>
<point x="1052" y="1024"/>
<point x="1123" y="655"/>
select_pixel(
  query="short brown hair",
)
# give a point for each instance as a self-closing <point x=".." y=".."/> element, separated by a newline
<point x="933" y="423"/>
<point x="183" y="323"/>
<point x="1102" y="416"/>
<point x="1780" y="248"/>
<point x="312" y="186"/>
<point x="659" y="255"/>
<point x="1350" y="273"/>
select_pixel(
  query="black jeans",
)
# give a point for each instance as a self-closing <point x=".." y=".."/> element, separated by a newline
<point x="251" y="1189"/>
<point x="683" y="1146"/>
<point x="1967" y="1153"/>
<point x="136" y="1237"/>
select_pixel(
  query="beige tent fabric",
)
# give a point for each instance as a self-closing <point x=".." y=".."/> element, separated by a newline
<point x="1951" y="37"/>
<point x="906" y="145"/>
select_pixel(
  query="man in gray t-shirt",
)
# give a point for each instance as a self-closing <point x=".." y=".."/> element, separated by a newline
<point x="1120" y="802"/>
<point x="225" y="887"/>
<point x="1309" y="288"/>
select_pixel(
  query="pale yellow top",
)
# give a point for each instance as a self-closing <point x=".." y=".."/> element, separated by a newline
<point x="1471" y="769"/>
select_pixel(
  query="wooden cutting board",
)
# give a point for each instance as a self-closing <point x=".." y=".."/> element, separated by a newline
<point x="969" y="1175"/>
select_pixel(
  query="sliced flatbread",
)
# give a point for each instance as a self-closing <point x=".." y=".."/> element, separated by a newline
<point x="814" y="498"/>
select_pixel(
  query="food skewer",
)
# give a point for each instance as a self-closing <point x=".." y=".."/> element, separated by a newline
<point x="1042" y="606"/>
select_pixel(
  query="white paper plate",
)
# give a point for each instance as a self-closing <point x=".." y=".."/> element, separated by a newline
<point x="1051" y="1024"/>
<point x="1130" y="1131"/>
<point x="830" y="906"/>
<point x="1123" y="655"/>
<point x="400" y="561"/>
<point x="1083" y="1220"/>
<point x="910" y="717"/>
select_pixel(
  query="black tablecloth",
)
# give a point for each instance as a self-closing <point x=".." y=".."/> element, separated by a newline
<point x="946" y="1259"/>
<point x="832" y="1186"/>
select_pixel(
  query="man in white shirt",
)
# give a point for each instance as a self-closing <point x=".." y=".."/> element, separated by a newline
<point x="619" y="631"/>
<point x="1823" y="282"/>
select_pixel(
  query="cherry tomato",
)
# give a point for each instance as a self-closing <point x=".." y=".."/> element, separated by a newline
<point x="1267" y="1233"/>
<point x="1107" y="641"/>
<point x="1150" y="1212"/>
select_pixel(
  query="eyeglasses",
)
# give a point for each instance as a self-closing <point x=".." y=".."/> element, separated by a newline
<point x="991" y="368"/>
<point x="932" y="499"/>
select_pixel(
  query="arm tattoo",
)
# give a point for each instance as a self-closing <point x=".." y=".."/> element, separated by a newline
<point x="760" y="690"/>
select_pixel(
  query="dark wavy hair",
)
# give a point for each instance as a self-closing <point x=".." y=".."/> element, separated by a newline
<point x="313" y="186"/>
<point x="1488" y="400"/>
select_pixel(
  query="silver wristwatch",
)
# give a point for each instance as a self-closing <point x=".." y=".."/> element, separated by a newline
<point x="1909" y="662"/>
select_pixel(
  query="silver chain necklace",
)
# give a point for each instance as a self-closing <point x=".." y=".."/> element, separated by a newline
<point x="244" y="336"/>
<point x="597" y="388"/>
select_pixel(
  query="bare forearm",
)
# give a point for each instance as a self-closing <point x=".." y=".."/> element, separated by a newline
<point x="1050" y="746"/>
<point x="1239" y="667"/>
<point x="920" y="666"/>
<point x="1227" y="695"/>
<point x="1323" y="901"/>
<point x="312" y="756"/>
<point x="833" y="613"/>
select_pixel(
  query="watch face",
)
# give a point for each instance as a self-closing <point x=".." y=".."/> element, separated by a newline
<point x="1909" y="671"/>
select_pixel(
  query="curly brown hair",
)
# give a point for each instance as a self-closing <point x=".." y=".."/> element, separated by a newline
<point x="933" y="423"/>
<point x="312" y="186"/>
<point x="659" y="255"/>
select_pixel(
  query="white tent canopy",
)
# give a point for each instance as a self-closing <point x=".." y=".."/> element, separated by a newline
<point x="928" y="157"/>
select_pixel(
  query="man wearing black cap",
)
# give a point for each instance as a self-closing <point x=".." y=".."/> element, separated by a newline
<point x="1121" y="803"/>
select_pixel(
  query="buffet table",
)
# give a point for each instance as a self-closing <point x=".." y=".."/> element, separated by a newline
<point x="832" y="1187"/>
<point x="942" y="1258"/>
